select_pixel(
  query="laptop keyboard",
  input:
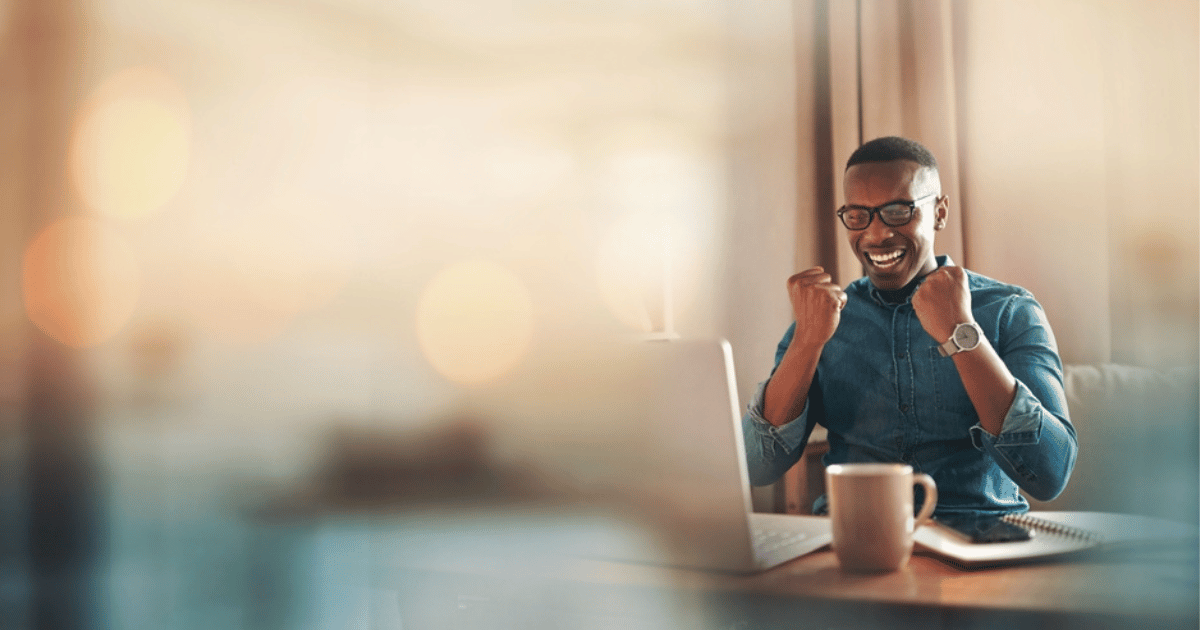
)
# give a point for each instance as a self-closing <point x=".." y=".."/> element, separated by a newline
<point x="770" y="540"/>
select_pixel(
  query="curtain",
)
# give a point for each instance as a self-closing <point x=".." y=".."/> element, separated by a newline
<point x="877" y="68"/>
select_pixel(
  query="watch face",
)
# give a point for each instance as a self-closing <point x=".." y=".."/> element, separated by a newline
<point x="966" y="337"/>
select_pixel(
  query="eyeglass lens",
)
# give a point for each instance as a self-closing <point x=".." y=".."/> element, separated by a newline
<point x="895" y="215"/>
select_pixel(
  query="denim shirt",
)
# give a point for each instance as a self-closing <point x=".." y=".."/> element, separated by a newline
<point x="885" y="394"/>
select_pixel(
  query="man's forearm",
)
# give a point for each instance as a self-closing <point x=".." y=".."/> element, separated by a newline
<point x="989" y="384"/>
<point x="1037" y="449"/>
<point x="787" y="390"/>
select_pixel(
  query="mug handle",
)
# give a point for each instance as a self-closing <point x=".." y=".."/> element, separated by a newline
<point x="930" y="498"/>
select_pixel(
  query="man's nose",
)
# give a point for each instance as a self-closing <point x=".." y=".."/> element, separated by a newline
<point x="878" y="231"/>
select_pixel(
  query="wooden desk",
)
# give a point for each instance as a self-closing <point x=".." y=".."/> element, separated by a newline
<point x="1156" y="589"/>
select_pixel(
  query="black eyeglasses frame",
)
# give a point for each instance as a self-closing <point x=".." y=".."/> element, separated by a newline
<point x="912" y="206"/>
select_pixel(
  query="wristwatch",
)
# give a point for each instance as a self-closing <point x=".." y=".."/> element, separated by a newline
<point x="966" y="337"/>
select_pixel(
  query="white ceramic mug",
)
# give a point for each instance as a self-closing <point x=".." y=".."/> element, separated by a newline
<point x="871" y="514"/>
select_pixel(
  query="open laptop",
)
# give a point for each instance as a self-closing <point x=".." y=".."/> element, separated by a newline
<point x="690" y="453"/>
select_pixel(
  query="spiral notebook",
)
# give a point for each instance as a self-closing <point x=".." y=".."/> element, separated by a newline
<point x="1055" y="534"/>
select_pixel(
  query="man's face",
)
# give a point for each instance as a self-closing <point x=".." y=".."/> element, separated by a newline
<point x="894" y="256"/>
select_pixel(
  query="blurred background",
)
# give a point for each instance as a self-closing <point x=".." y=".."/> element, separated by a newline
<point x="266" y="258"/>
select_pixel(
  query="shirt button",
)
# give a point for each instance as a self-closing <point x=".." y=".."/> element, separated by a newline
<point x="903" y="407"/>
<point x="899" y="355"/>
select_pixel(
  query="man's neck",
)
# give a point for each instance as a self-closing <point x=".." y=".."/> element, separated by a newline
<point x="901" y="295"/>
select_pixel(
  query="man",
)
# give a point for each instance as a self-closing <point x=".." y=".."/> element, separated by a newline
<point x="920" y="362"/>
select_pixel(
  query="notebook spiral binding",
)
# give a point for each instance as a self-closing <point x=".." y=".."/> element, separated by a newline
<point x="1043" y="525"/>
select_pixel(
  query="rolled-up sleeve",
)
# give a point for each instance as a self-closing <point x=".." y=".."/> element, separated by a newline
<point x="772" y="450"/>
<point x="1036" y="446"/>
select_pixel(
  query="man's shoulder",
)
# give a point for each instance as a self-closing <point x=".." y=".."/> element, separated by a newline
<point x="982" y="286"/>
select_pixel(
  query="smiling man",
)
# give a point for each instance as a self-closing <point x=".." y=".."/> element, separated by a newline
<point x="920" y="362"/>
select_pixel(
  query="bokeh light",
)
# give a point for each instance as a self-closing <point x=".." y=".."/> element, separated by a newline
<point x="474" y="321"/>
<point x="658" y="181"/>
<point x="631" y="272"/>
<point x="80" y="281"/>
<point x="130" y="152"/>
<point x="648" y="269"/>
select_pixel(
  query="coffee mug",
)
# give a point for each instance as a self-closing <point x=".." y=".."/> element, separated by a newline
<point x="871" y="514"/>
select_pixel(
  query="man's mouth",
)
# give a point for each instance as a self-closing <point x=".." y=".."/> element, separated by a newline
<point x="886" y="260"/>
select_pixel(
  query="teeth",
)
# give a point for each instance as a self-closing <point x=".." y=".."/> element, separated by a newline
<point x="884" y="258"/>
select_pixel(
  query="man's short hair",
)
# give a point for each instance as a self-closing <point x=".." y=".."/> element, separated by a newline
<point x="891" y="148"/>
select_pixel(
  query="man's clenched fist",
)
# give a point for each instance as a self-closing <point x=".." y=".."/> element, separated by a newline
<point x="943" y="301"/>
<point x="817" y="306"/>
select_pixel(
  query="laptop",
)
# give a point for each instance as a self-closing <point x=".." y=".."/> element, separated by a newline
<point x="689" y="451"/>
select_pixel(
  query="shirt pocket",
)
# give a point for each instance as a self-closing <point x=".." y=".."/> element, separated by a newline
<point x="949" y="395"/>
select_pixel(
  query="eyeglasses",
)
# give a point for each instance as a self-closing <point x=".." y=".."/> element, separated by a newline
<point x="892" y="213"/>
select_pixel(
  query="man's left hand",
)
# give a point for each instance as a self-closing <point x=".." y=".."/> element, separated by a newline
<point x="943" y="301"/>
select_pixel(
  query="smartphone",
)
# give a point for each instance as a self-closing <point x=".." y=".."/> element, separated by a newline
<point x="984" y="528"/>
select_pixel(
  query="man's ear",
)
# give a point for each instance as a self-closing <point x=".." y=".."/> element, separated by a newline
<point x="941" y="210"/>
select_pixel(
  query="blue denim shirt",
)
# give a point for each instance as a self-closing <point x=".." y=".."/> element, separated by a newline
<point x="885" y="394"/>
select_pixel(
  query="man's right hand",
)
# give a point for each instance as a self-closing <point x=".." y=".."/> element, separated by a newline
<point x="817" y="306"/>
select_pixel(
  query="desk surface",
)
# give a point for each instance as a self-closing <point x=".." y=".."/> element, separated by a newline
<point x="1161" y="584"/>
